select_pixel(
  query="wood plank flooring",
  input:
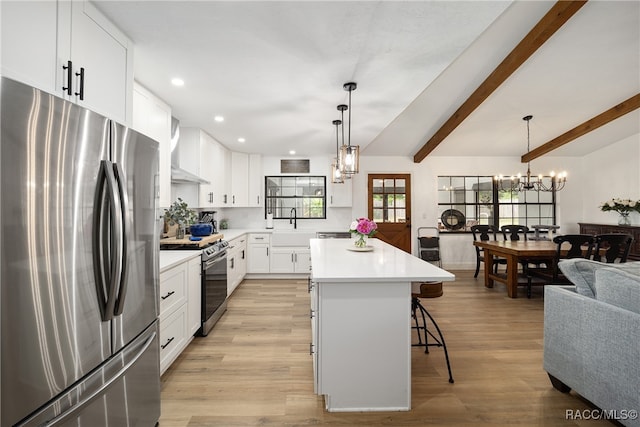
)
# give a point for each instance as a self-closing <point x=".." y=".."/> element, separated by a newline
<point x="254" y="368"/>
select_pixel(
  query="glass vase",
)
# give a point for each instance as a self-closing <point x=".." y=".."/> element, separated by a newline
<point x="361" y="241"/>
<point x="624" y="219"/>
<point x="180" y="232"/>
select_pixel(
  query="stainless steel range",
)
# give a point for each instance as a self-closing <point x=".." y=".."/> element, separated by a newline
<point x="214" y="284"/>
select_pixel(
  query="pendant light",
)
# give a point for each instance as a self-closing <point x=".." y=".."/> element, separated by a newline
<point x="342" y="108"/>
<point x="337" y="177"/>
<point x="518" y="183"/>
<point x="350" y="154"/>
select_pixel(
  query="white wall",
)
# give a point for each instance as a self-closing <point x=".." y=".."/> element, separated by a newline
<point x="610" y="172"/>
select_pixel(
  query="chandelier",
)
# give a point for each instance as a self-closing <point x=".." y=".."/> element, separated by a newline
<point x="517" y="183"/>
<point x="349" y="154"/>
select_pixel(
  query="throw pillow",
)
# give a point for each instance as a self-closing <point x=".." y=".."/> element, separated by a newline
<point x="582" y="273"/>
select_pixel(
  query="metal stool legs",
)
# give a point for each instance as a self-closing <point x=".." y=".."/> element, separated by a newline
<point x="415" y="307"/>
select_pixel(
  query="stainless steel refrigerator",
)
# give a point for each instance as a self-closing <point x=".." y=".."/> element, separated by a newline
<point x="79" y="269"/>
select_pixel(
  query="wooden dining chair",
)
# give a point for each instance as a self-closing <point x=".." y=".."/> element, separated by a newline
<point x="484" y="233"/>
<point x="612" y="247"/>
<point x="514" y="232"/>
<point x="568" y="246"/>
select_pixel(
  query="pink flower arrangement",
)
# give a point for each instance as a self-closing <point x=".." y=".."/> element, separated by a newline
<point x="363" y="227"/>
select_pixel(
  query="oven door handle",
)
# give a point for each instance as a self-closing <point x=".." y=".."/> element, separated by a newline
<point x="211" y="262"/>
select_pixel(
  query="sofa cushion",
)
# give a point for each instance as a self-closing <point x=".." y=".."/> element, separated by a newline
<point x="618" y="287"/>
<point x="581" y="272"/>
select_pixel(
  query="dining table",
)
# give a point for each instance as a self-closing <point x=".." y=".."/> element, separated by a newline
<point x="514" y="251"/>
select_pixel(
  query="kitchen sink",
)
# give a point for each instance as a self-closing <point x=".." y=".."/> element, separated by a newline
<point x="292" y="238"/>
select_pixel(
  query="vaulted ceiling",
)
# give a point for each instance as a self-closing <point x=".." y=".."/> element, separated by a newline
<point x="275" y="71"/>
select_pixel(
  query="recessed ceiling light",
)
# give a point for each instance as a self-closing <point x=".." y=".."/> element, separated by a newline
<point x="241" y="140"/>
<point x="218" y="119"/>
<point x="177" y="82"/>
<point x="292" y="152"/>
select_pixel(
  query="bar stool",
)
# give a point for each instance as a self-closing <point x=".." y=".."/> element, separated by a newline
<point x="427" y="290"/>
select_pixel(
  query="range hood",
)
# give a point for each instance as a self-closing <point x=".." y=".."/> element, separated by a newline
<point x="179" y="175"/>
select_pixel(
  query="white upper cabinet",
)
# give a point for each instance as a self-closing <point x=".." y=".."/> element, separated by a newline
<point x="70" y="49"/>
<point x="220" y="165"/>
<point x="246" y="180"/>
<point x="256" y="181"/>
<point x="239" y="179"/>
<point x="29" y="43"/>
<point x="341" y="195"/>
<point x="152" y="117"/>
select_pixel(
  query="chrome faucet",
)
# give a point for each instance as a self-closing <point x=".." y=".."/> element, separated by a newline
<point x="293" y="218"/>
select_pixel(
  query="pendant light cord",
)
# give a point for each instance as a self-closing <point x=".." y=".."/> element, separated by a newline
<point x="350" y="90"/>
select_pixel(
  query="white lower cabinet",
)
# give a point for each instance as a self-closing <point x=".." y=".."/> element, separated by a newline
<point x="194" y="302"/>
<point x="236" y="262"/>
<point x="313" y="347"/>
<point x="258" y="247"/>
<point x="180" y="308"/>
<point x="172" y="337"/>
<point x="290" y="260"/>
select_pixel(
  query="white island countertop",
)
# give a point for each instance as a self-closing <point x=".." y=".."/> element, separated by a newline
<point x="333" y="262"/>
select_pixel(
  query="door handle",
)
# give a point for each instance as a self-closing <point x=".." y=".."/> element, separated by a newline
<point x="107" y="297"/>
<point x="69" y="70"/>
<point x="81" y="92"/>
<point x="124" y="236"/>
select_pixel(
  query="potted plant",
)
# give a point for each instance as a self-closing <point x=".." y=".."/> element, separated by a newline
<point x="180" y="214"/>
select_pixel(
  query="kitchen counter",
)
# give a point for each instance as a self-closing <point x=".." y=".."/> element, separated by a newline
<point x="169" y="258"/>
<point x="332" y="262"/>
<point x="361" y="323"/>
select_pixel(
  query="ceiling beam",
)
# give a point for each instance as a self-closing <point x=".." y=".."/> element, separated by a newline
<point x="594" y="123"/>
<point x="557" y="16"/>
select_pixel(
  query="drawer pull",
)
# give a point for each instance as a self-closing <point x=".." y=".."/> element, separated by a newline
<point x="168" y="295"/>
<point x="163" y="346"/>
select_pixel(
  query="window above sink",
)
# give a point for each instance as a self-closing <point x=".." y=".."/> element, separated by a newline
<point x="307" y="194"/>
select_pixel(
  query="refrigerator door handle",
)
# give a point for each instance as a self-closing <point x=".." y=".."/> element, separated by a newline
<point x="100" y="391"/>
<point x="124" y="206"/>
<point x="107" y="253"/>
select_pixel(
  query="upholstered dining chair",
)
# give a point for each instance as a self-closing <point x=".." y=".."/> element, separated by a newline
<point x="567" y="246"/>
<point x="484" y="233"/>
<point x="612" y="247"/>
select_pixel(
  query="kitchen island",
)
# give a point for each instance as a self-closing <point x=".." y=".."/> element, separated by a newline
<point x="361" y="323"/>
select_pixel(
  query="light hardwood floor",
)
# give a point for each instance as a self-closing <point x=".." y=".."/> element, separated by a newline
<point x="254" y="368"/>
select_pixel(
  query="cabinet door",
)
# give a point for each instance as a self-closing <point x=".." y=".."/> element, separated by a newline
<point x="172" y="336"/>
<point x="152" y="117"/>
<point x="341" y="195"/>
<point x="256" y="181"/>
<point x="313" y="291"/>
<point x="282" y="260"/>
<point x="105" y="54"/>
<point x="29" y="43"/>
<point x="206" y="157"/>
<point x="219" y="169"/>
<point x="194" y="301"/>
<point x="258" y="258"/>
<point x="239" y="179"/>
<point x="242" y="260"/>
<point x="173" y="289"/>
<point x="302" y="259"/>
<point x="232" y="275"/>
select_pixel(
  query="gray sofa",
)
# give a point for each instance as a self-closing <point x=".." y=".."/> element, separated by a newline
<point x="592" y="336"/>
